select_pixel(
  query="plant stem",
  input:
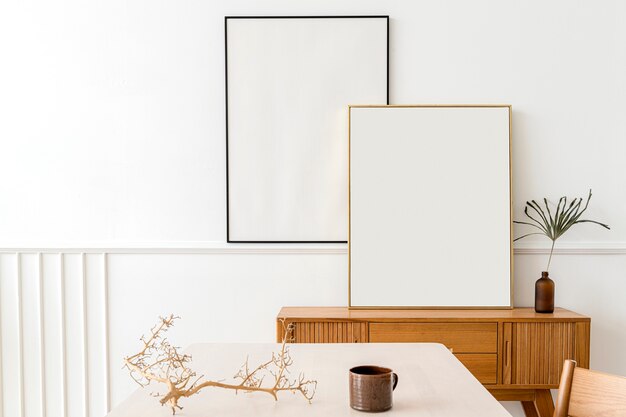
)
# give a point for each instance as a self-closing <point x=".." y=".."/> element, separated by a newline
<point x="550" y="258"/>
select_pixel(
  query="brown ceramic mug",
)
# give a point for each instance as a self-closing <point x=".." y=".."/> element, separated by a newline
<point x="371" y="388"/>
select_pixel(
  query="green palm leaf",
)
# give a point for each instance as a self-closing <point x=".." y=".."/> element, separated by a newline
<point x="553" y="226"/>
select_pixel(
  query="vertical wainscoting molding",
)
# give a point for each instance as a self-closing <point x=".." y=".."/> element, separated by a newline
<point x="20" y="334"/>
<point x="47" y="287"/>
<point x="42" y="338"/>
<point x="1" y="357"/>
<point x="63" y="332"/>
<point x="83" y="277"/>
<point x="105" y="326"/>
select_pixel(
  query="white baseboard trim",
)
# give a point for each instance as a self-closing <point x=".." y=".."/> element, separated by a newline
<point x="222" y="248"/>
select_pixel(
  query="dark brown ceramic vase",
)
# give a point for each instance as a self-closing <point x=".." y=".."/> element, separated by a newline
<point x="371" y="388"/>
<point x="544" y="294"/>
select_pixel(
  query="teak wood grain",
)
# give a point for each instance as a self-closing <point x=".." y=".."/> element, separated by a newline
<point x="517" y="354"/>
<point x="460" y="337"/>
<point x="484" y="366"/>
<point x="585" y="393"/>
<point x="540" y="349"/>
<point x="326" y="332"/>
<point x="523" y="314"/>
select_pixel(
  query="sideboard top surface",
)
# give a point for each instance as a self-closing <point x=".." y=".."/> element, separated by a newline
<point x="524" y="314"/>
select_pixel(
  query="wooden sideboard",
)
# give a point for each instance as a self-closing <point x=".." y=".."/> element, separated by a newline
<point x="517" y="354"/>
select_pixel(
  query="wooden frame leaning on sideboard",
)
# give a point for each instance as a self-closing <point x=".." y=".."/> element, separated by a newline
<point x="516" y="354"/>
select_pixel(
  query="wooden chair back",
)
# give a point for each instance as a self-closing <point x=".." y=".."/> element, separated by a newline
<point x="585" y="393"/>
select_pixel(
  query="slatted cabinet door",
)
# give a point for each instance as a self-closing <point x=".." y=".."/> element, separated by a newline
<point x="326" y="332"/>
<point x="538" y="351"/>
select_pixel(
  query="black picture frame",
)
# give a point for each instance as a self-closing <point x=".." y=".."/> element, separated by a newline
<point x="226" y="19"/>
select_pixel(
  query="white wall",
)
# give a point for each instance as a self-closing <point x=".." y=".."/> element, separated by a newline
<point x="112" y="133"/>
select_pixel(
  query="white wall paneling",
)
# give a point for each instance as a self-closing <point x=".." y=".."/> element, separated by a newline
<point x="106" y="330"/>
<point x="20" y="331"/>
<point x="57" y="356"/>
<point x="12" y="322"/>
<point x="62" y="335"/>
<point x="53" y="353"/>
<point x="113" y="295"/>
<point x="42" y="336"/>
<point x="1" y="349"/>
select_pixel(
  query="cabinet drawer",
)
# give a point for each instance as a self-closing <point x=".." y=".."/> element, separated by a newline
<point x="482" y="365"/>
<point x="460" y="337"/>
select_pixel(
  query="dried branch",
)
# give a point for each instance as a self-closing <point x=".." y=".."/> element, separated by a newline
<point x="161" y="362"/>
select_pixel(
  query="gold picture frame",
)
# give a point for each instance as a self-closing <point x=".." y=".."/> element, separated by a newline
<point x="510" y="206"/>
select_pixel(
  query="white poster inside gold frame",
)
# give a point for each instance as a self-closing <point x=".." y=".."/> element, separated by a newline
<point x="430" y="207"/>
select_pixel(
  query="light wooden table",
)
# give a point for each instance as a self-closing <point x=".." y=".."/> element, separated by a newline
<point x="432" y="382"/>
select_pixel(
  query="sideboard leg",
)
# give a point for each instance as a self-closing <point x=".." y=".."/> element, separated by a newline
<point x="544" y="403"/>
<point x="542" y="406"/>
<point x="530" y="410"/>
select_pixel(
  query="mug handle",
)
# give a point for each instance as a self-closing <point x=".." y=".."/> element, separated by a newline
<point x="395" y="380"/>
